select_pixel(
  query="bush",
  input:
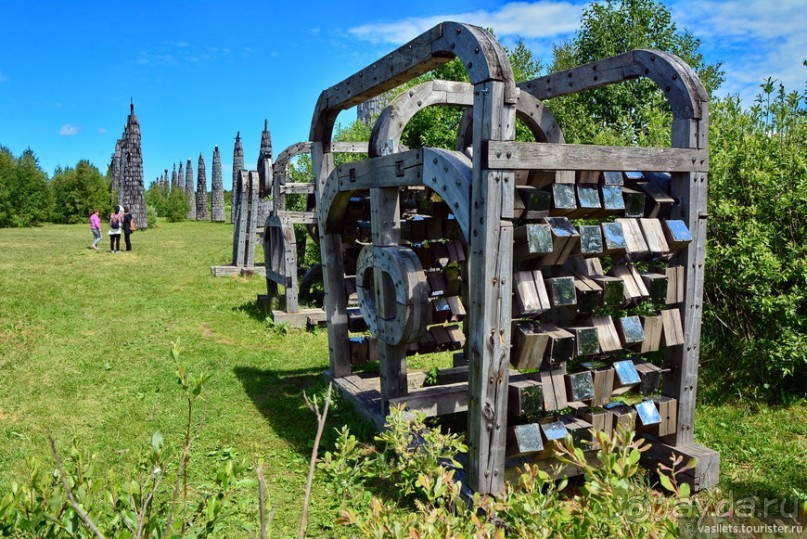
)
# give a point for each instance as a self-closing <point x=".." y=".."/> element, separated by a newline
<point x="615" y="499"/>
<point x="755" y="291"/>
<point x="151" y="216"/>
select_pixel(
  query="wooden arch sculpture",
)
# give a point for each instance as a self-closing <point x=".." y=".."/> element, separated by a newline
<point x="527" y="264"/>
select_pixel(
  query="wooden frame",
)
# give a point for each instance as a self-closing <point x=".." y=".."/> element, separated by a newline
<point x="481" y="193"/>
<point x="279" y="241"/>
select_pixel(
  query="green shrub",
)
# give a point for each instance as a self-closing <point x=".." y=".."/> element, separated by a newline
<point x="151" y="216"/>
<point x="755" y="292"/>
<point x="407" y="488"/>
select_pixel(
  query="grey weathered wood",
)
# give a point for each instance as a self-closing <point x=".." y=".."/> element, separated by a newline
<point x="706" y="473"/>
<point x="434" y="400"/>
<point x="389" y="127"/>
<point x="519" y="155"/>
<point x="479" y="51"/>
<point x="447" y="173"/>
<point x="490" y="289"/>
<point x="297" y="189"/>
<point x="335" y="304"/>
<point x="652" y="326"/>
<point x="385" y="220"/>
<point x="679" y="83"/>
<point x="491" y="204"/>
<point x="298" y="217"/>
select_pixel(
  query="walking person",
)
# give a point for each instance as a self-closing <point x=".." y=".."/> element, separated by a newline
<point x="115" y="222"/>
<point x="128" y="227"/>
<point x="95" y="227"/>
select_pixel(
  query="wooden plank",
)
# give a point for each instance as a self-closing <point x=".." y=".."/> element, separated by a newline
<point x="589" y="176"/>
<point x="706" y="473"/>
<point x="526" y="294"/>
<point x="434" y="400"/>
<point x="654" y="236"/>
<point x="652" y="326"/>
<point x="681" y="86"/>
<point x="634" y="285"/>
<point x="676" y="281"/>
<point x="606" y="333"/>
<point x="668" y="410"/>
<point x="299" y="217"/>
<point x="456" y="336"/>
<point x="599" y="418"/>
<point x="623" y="415"/>
<point x="520" y="155"/>
<point x="457" y="308"/>
<point x="553" y="385"/>
<point x="490" y="291"/>
<point x="603" y="385"/>
<point x="297" y="189"/>
<point x="673" y="332"/>
<point x="635" y="243"/>
<point x="365" y="400"/>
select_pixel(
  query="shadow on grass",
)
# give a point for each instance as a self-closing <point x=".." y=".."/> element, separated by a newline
<point x="278" y="396"/>
<point x="253" y="310"/>
<point x="739" y="489"/>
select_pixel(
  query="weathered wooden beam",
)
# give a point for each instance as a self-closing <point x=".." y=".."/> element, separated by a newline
<point x="434" y="400"/>
<point x="706" y="472"/>
<point x="520" y="155"/>
<point x="679" y="83"/>
<point x="484" y="58"/>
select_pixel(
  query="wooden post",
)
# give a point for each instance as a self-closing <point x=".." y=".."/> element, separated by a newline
<point x="385" y="221"/>
<point x="490" y="291"/>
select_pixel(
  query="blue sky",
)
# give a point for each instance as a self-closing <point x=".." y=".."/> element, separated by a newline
<point x="198" y="72"/>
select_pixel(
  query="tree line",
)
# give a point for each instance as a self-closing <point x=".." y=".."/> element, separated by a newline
<point x="28" y="197"/>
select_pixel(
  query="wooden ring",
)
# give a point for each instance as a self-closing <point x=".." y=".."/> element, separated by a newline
<point x="401" y="288"/>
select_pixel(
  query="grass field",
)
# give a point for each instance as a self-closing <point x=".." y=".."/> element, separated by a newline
<point x="85" y="338"/>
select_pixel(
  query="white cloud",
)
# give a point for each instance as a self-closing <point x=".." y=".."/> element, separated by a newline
<point x="3" y="77"/>
<point x="530" y="20"/>
<point x="173" y="53"/>
<point x="102" y="130"/>
<point x="68" y="130"/>
<point x="754" y="39"/>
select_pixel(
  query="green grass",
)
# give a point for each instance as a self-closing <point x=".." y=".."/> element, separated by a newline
<point x="84" y="353"/>
<point x="85" y="338"/>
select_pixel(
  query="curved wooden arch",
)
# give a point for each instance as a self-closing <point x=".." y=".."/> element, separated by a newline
<point x="677" y="80"/>
<point x="481" y="54"/>
<point x="447" y="173"/>
<point x="298" y="148"/>
<point x="392" y="121"/>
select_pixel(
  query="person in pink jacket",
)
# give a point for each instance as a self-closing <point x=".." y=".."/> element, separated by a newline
<point x="95" y="227"/>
